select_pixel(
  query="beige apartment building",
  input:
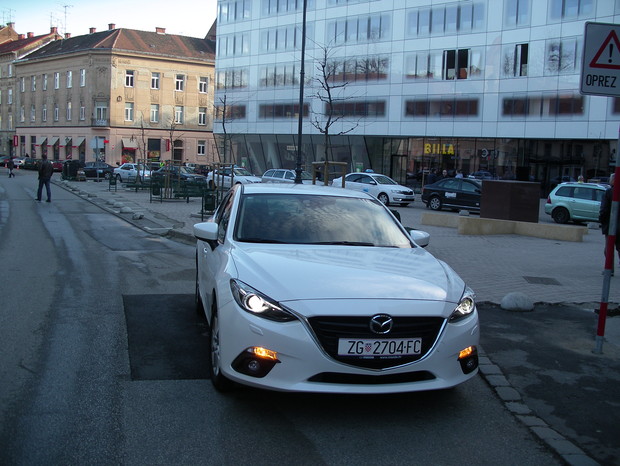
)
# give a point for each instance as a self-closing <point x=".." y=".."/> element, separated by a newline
<point x="118" y="95"/>
<point x="14" y="46"/>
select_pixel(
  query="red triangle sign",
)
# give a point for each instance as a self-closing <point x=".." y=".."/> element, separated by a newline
<point x="608" y="55"/>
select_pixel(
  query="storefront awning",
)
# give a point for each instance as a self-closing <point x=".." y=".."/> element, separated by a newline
<point x="129" y="144"/>
<point x="42" y="140"/>
<point x="53" y="141"/>
<point x="67" y="142"/>
<point x="79" y="141"/>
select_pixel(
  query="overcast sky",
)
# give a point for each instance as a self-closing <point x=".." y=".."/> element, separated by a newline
<point x="183" y="17"/>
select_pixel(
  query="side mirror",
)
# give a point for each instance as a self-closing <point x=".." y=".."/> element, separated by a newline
<point x="419" y="237"/>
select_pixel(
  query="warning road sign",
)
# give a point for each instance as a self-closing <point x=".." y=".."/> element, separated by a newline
<point x="600" y="69"/>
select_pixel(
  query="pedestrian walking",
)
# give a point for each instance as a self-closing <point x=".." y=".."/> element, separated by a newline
<point x="10" y="165"/>
<point x="46" y="170"/>
<point x="604" y="217"/>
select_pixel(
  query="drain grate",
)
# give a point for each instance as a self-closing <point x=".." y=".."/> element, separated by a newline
<point x="542" y="281"/>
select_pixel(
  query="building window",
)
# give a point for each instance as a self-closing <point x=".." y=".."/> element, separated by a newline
<point x="514" y="60"/>
<point x="274" y="7"/>
<point x="359" y="109"/>
<point x="233" y="112"/>
<point x="56" y="80"/>
<point x="284" y="38"/>
<point x="444" y="108"/>
<point x="236" y="10"/>
<point x="69" y="116"/>
<point x="359" y="29"/>
<point x="179" y="82"/>
<point x="566" y="105"/>
<point x="201" y="148"/>
<point x="570" y="9"/>
<point x="233" y="45"/>
<point x="82" y="77"/>
<point x="56" y="112"/>
<point x="281" y="110"/>
<point x="456" y="64"/>
<point x="33" y="83"/>
<point x="128" y="111"/>
<point x="562" y="56"/>
<point x="45" y="81"/>
<point x="202" y="116"/>
<point x="154" y="113"/>
<point x="22" y="114"/>
<point x="371" y="68"/>
<point x="33" y="113"/>
<point x="101" y="114"/>
<point x="516" y="13"/>
<point x="69" y="79"/>
<point x="232" y="78"/>
<point x="82" y="112"/>
<point x="22" y="84"/>
<point x="445" y="19"/>
<point x="9" y="97"/>
<point x="44" y="112"/>
<point x="10" y="70"/>
<point x="129" y="75"/>
<point x="154" y="80"/>
<point x="203" y="85"/>
<point x="178" y="114"/>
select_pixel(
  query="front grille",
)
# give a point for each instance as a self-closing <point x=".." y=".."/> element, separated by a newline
<point x="329" y="329"/>
<point x="360" y="379"/>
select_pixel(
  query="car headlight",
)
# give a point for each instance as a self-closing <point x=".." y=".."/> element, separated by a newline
<point x="466" y="306"/>
<point x="257" y="303"/>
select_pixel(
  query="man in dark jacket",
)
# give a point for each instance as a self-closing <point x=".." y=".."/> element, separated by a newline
<point x="10" y="165"/>
<point x="604" y="216"/>
<point x="46" y="170"/>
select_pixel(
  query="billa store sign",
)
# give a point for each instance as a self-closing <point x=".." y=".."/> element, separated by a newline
<point x="600" y="70"/>
<point x="438" y="149"/>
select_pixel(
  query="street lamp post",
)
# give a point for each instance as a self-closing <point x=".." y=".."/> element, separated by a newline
<point x="298" y="169"/>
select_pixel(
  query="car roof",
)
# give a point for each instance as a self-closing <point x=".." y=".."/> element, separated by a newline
<point x="293" y="188"/>
<point x="576" y="184"/>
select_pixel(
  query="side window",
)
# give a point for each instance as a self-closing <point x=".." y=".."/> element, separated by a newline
<point x="583" y="193"/>
<point x="289" y="176"/>
<point x="222" y="217"/>
<point x="599" y="194"/>
<point x="279" y="174"/>
<point x="365" y="179"/>
<point x="354" y="178"/>
<point x="468" y="187"/>
<point x="564" y="191"/>
<point x="453" y="184"/>
<point x="268" y="173"/>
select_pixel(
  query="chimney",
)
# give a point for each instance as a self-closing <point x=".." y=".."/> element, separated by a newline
<point x="53" y="30"/>
<point x="92" y="30"/>
<point x="159" y="30"/>
<point x="67" y="35"/>
<point x="30" y="35"/>
<point x="111" y="26"/>
<point x="11" y="25"/>
<point x="21" y="36"/>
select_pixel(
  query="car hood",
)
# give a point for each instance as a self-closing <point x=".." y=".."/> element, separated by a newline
<point x="345" y="272"/>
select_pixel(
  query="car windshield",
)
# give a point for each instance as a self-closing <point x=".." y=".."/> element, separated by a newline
<point x="317" y="219"/>
<point x="382" y="179"/>
<point x="242" y="172"/>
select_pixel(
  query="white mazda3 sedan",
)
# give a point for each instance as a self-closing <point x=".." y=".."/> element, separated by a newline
<point x="382" y="187"/>
<point x="321" y="289"/>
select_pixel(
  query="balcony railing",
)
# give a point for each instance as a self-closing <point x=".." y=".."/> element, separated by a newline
<point x="99" y="122"/>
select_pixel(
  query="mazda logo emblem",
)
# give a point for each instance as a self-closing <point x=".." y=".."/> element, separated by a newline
<point x="381" y="324"/>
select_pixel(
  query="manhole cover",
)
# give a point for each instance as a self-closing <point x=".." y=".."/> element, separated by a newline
<point x="542" y="281"/>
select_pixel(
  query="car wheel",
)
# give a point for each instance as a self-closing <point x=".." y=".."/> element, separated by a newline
<point x="119" y="179"/>
<point x="434" y="203"/>
<point x="384" y="198"/>
<point x="560" y="215"/>
<point x="219" y="380"/>
<point x="106" y="176"/>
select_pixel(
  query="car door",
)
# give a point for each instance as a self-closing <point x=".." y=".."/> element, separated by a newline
<point x="451" y="191"/>
<point x="358" y="182"/>
<point x="469" y="194"/>
<point x="584" y="204"/>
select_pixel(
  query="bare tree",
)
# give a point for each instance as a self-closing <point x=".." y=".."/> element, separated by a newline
<point x="331" y="82"/>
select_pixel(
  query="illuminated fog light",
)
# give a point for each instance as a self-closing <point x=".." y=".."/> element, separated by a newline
<point x="467" y="352"/>
<point x="263" y="353"/>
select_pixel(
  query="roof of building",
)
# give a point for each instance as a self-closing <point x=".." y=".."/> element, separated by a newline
<point x="131" y="40"/>
<point x="27" y="43"/>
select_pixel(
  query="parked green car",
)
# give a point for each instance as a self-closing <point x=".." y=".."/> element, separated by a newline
<point x="576" y="202"/>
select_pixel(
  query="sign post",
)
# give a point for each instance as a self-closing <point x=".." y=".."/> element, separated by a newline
<point x="600" y="75"/>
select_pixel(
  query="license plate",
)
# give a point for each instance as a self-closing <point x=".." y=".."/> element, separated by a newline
<point x="378" y="348"/>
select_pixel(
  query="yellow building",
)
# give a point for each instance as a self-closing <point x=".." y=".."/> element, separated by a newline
<point x="14" y="46"/>
<point x="118" y="95"/>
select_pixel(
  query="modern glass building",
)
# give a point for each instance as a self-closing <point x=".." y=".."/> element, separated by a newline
<point x="402" y="87"/>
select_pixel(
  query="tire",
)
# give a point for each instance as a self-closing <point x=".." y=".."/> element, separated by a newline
<point x="385" y="200"/>
<point x="434" y="203"/>
<point x="119" y="179"/>
<point x="107" y="176"/>
<point x="219" y="380"/>
<point x="560" y="215"/>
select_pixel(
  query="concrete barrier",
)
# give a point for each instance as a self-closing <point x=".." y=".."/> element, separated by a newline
<point x="468" y="225"/>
